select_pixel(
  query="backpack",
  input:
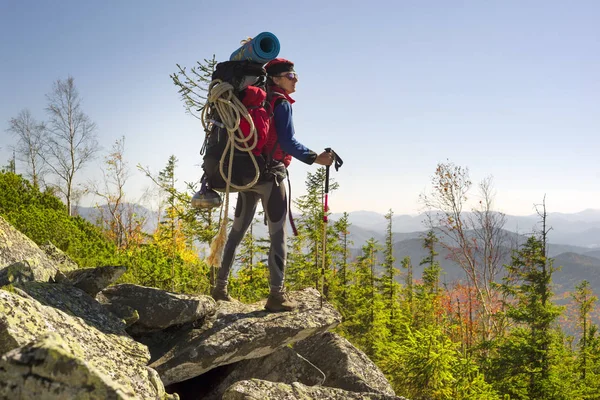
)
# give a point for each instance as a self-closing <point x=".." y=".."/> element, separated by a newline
<point x="248" y="162"/>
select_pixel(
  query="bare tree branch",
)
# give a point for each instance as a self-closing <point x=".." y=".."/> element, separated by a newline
<point x="30" y="141"/>
<point x="71" y="141"/>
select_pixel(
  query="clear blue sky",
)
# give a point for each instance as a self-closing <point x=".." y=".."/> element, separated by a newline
<point x="506" y="88"/>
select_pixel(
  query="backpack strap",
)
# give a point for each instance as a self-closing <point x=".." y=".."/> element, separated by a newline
<point x="280" y="99"/>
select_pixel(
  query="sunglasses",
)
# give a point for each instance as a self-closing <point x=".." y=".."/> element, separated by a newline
<point x="289" y="75"/>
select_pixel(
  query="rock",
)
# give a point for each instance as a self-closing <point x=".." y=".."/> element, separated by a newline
<point x="52" y="369"/>
<point x="60" y="259"/>
<point x="345" y="366"/>
<point x="259" y="389"/>
<point x="18" y="248"/>
<point x="74" y="302"/>
<point x="127" y="314"/>
<point x="238" y="331"/>
<point x="23" y="320"/>
<point x="158" y="309"/>
<point x="284" y="365"/>
<point x="93" y="280"/>
<point x="17" y="273"/>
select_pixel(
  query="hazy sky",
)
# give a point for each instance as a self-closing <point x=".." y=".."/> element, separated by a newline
<point x="506" y="88"/>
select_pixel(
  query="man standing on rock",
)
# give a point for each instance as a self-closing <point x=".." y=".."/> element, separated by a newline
<point x="280" y="148"/>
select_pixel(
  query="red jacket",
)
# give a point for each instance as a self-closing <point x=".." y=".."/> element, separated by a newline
<point x="254" y="99"/>
<point x="277" y="95"/>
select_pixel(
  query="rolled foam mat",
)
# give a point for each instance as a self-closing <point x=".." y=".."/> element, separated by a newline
<point x="262" y="48"/>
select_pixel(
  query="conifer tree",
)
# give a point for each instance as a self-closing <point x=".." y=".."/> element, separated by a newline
<point x="526" y="357"/>
<point x="585" y="300"/>
<point x="588" y="363"/>
<point x="360" y="311"/>
<point x="428" y="291"/>
<point x="408" y="290"/>
<point x="341" y="228"/>
<point x="389" y="288"/>
<point x="193" y="85"/>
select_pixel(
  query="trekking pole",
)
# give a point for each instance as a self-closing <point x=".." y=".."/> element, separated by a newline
<point x="338" y="163"/>
<point x="325" y="209"/>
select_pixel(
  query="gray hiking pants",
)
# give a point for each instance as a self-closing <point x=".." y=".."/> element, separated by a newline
<point x="274" y="202"/>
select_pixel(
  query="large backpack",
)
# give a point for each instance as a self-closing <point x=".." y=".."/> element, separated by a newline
<point x="247" y="110"/>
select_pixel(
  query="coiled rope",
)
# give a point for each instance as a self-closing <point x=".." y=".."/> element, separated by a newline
<point x="230" y="110"/>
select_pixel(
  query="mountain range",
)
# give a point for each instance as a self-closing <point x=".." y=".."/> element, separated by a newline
<point x="574" y="241"/>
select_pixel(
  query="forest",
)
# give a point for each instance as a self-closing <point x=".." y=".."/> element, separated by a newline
<point x="494" y="335"/>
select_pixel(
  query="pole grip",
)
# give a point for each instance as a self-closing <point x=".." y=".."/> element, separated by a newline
<point x="328" y="149"/>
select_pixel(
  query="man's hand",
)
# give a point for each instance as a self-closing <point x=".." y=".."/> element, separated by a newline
<point x="325" y="158"/>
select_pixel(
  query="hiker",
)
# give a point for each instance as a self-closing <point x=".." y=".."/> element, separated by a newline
<point x="280" y="147"/>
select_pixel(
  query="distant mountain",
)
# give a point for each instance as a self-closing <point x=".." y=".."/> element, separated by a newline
<point x="571" y="239"/>
<point x="580" y="229"/>
<point x="92" y="214"/>
<point x="377" y="222"/>
<point x="593" y="253"/>
<point x="574" y="269"/>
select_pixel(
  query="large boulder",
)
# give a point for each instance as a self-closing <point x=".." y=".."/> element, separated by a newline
<point x="51" y="368"/>
<point x="24" y="320"/>
<point x="284" y="365"/>
<point x="259" y="389"/>
<point x="345" y="366"/>
<point x="76" y="303"/>
<point x="93" y="280"/>
<point x="239" y="331"/>
<point x="18" y="248"/>
<point x="157" y="309"/>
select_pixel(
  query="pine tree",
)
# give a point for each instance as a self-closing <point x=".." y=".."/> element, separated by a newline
<point x="588" y="365"/>
<point x="389" y="288"/>
<point x="341" y="258"/>
<point x="525" y="361"/>
<point x="193" y="86"/>
<point x="361" y="309"/>
<point x="585" y="300"/>
<point x="428" y="292"/>
<point x="408" y="290"/>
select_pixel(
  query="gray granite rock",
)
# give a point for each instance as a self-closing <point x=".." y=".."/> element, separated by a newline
<point x="23" y="320"/>
<point x="157" y="309"/>
<point x="345" y="366"/>
<point x="15" y="248"/>
<point x="265" y="390"/>
<point x="238" y="331"/>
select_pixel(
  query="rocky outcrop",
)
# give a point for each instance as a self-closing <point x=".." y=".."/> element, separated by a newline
<point x="20" y="252"/>
<point x="158" y="309"/>
<point x="239" y="331"/>
<point x="284" y="365"/>
<point x="23" y="321"/>
<point x="50" y="365"/>
<point x="75" y="303"/>
<point x="59" y="341"/>
<point x="259" y="389"/>
<point x="345" y="366"/>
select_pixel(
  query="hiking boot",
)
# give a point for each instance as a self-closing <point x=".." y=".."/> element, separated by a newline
<point x="220" y="293"/>
<point x="280" y="301"/>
